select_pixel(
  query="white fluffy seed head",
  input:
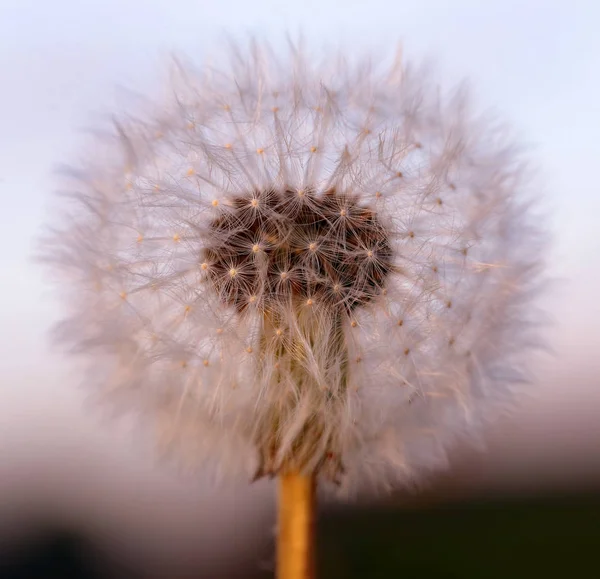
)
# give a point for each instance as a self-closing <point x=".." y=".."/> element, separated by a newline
<point x="357" y="256"/>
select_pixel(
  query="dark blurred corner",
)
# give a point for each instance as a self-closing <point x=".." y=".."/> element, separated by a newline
<point x="52" y="553"/>
<point x="536" y="536"/>
<point x="66" y="554"/>
<point x="475" y="521"/>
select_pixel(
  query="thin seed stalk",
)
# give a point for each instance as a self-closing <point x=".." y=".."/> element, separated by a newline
<point x="296" y="526"/>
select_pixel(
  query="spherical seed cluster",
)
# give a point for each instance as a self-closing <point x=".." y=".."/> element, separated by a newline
<point x="296" y="266"/>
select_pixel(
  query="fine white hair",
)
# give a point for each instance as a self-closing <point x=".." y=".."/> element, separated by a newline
<point x="438" y="343"/>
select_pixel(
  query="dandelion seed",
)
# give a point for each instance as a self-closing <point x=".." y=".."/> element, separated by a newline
<point x="316" y="262"/>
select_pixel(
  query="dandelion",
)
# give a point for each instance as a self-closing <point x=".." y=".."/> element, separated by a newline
<point x="336" y="269"/>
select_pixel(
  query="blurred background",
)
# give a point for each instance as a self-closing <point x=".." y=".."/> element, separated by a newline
<point x="83" y="497"/>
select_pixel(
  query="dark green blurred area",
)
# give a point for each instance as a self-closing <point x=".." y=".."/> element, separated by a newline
<point x="503" y="537"/>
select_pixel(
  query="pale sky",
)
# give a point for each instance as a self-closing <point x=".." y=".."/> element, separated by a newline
<point x="61" y="62"/>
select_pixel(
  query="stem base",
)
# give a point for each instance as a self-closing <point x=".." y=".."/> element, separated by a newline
<point x="296" y="526"/>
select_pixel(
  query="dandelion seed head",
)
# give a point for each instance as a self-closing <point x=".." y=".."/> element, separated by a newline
<point x="370" y="243"/>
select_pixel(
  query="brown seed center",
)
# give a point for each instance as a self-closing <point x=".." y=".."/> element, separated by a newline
<point x="274" y="245"/>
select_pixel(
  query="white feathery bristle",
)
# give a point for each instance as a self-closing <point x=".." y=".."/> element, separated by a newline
<point x="359" y="348"/>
